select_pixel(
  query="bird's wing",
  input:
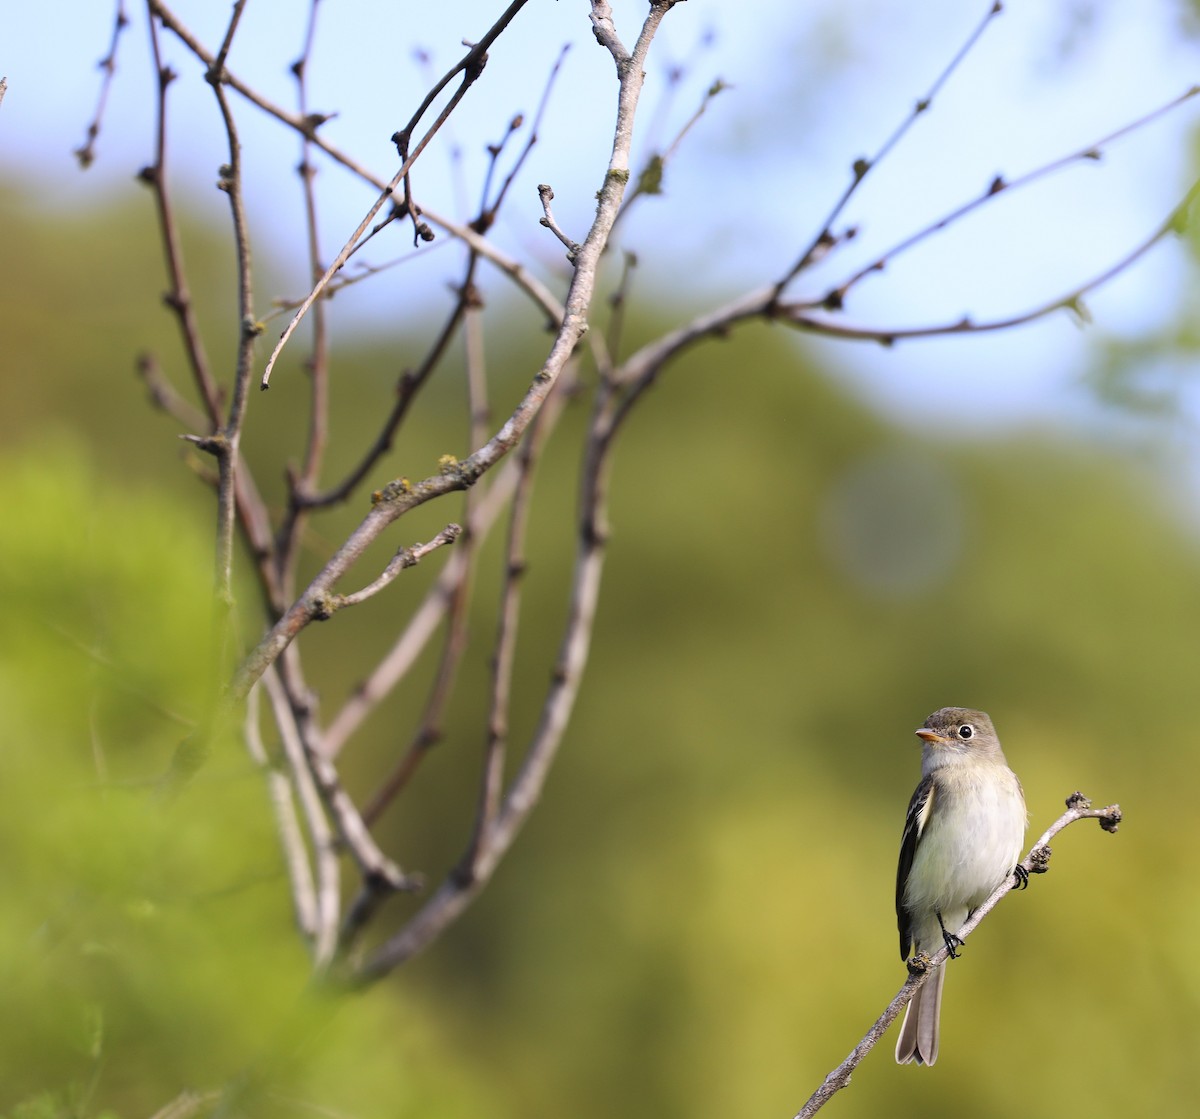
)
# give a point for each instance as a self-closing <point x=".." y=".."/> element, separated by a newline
<point x="914" y="826"/>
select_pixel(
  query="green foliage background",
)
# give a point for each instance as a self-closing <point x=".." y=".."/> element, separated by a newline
<point x="697" y="921"/>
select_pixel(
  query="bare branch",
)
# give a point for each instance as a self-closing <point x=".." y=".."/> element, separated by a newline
<point x="216" y="74"/>
<point x="650" y="178"/>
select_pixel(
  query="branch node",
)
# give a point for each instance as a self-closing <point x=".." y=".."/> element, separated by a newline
<point x="918" y="964"/>
<point x="1039" y="859"/>
<point x="834" y="300"/>
<point x="401" y="487"/>
<point x="322" y="606"/>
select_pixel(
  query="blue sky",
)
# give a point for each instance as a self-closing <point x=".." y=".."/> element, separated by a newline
<point x="813" y="86"/>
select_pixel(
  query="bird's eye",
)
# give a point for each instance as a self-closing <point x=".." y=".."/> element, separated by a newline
<point x="966" y="731"/>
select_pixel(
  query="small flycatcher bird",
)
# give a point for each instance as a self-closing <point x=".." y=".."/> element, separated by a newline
<point x="962" y="838"/>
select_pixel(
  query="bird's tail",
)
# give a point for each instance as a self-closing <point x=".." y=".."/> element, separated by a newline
<point x="919" y="1032"/>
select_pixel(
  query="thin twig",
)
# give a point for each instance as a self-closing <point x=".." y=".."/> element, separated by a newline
<point x="304" y="480"/>
<point x="164" y="396"/>
<point x="1078" y="808"/>
<point x="283" y="805"/>
<point x="401" y="561"/>
<point x="545" y="194"/>
<point x="250" y="507"/>
<point x="217" y="72"/>
<point x="226" y="445"/>
<point x="504" y="653"/>
<point x="618" y="302"/>
<point x="86" y="153"/>
<point x="366" y="271"/>
<point x="179" y="297"/>
<point x="650" y="178"/>
<point x="327" y="900"/>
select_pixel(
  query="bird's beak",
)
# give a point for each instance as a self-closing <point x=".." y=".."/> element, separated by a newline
<point x="930" y="736"/>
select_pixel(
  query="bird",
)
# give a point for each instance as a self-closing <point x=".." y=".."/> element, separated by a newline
<point x="963" y="836"/>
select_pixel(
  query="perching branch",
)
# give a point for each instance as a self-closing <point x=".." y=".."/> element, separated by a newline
<point x="1036" y="862"/>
